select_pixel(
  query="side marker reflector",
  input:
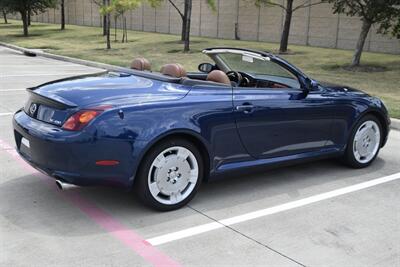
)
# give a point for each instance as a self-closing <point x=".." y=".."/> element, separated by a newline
<point x="107" y="162"/>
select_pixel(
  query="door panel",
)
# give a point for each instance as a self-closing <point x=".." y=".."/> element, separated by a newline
<point x="281" y="122"/>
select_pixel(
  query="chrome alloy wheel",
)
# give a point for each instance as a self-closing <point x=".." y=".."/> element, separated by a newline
<point x="173" y="175"/>
<point x="366" y="141"/>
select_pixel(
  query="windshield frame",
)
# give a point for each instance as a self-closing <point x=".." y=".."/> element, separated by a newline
<point x="213" y="53"/>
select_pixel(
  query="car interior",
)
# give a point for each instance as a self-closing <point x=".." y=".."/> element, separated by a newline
<point x="220" y="74"/>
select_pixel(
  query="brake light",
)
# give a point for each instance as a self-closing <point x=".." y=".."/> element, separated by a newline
<point x="81" y="118"/>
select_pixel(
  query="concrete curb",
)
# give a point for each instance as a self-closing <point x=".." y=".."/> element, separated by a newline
<point x="395" y="125"/>
<point x="106" y="67"/>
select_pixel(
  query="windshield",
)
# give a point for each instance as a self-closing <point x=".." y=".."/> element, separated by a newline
<point x="253" y="65"/>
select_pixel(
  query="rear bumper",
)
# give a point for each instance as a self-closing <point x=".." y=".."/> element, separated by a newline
<point x="71" y="156"/>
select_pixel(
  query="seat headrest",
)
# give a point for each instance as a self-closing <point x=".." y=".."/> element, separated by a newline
<point x="218" y="76"/>
<point x="174" y="70"/>
<point x="141" y="64"/>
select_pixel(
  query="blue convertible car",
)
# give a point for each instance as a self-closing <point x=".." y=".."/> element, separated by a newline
<point x="163" y="133"/>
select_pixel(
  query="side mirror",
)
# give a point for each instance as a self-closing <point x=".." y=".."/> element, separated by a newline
<point x="310" y="84"/>
<point x="206" y="67"/>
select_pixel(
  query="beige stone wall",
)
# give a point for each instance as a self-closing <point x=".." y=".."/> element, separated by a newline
<point x="314" y="26"/>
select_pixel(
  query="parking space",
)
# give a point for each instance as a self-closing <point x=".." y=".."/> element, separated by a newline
<point x="320" y="213"/>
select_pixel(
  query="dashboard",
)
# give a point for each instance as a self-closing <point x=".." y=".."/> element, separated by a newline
<point x="267" y="81"/>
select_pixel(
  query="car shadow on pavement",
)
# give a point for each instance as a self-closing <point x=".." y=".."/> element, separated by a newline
<point x="293" y="182"/>
<point x="37" y="206"/>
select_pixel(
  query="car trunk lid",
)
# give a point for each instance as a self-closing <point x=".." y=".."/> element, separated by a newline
<point x="54" y="102"/>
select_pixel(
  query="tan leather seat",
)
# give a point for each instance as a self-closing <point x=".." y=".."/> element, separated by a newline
<point x="218" y="76"/>
<point x="173" y="70"/>
<point x="141" y="64"/>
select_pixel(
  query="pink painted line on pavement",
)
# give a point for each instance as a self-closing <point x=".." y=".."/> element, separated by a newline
<point x="102" y="218"/>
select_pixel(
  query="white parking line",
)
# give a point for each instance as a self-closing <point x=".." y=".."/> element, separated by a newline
<point x="6" y="114"/>
<point x="268" y="211"/>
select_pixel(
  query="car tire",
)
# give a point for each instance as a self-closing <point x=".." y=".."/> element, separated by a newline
<point x="364" y="143"/>
<point x="169" y="175"/>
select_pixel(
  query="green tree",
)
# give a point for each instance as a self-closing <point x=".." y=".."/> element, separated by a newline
<point x="186" y="15"/>
<point x="4" y="10"/>
<point x="101" y="3"/>
<point x="28" y="7"/>
<point x="120" y="7"/>
<point x="289" y="9"/>
<point x="385" y="14"/>
<point x="116" y="8"/>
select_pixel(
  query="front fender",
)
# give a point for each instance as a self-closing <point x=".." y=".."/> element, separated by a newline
<point x="360" y="108"/>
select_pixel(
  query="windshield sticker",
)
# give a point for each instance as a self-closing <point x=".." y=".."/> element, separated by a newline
<point x="248" y="59"/>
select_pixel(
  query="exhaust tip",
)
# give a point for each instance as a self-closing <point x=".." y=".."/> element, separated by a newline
<point x="65" y="186"/>
<point x="59" y="184"/>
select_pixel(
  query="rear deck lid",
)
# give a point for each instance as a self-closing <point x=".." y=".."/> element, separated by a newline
<point x="54" y="102"/>
<point x="111" y="90"/>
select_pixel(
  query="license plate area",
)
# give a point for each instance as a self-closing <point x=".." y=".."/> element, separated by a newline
<point x="25" y="147"/>
<point x="25" y="142"/>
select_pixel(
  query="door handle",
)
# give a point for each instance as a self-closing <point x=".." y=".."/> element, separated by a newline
<point x="246" y="108"/>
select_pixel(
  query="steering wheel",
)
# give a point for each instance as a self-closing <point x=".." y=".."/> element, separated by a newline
<point x="235" y="76"/>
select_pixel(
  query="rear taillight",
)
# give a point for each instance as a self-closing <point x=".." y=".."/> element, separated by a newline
<point x="81" y="118"/>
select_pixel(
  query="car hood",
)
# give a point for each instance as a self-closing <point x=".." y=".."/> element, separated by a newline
<point x="342" y="88"/>
<point x="110" y="90"/>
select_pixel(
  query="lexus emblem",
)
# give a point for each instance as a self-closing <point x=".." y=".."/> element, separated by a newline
<point x="32" y="109"/>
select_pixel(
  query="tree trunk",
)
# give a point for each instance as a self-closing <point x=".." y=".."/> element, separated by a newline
<point x="108" y="29"/>
<point x="115" y="28"/>
<point x="123" y="28"/>
<point x="183" y="27"/>
<point x="29" y="17"/>
<point x="126" y="31"/>
<point x="62" y="15"/>
<point x="188" y="16"/>
<point x="123" y="31"/>
<point x="366" y="26"/>
<point x="104" y="25"/>
<point x="24" y="18"/>
<point x="5" y="17"/>
<point x="237" y="37"/>
<point x="104" y="21"/>
<point x="286" y="27"/>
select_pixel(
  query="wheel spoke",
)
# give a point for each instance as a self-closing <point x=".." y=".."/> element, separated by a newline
<point x="370" y="150"/>
<point x="183" y="154"/>
<point x="356" y="153"/>
<point x="360" y="132"/>
<point x="154" y="189"/>
<point x="175" y="197"/>
<point x="160" y="161"/>
<point x="193" y="176"/>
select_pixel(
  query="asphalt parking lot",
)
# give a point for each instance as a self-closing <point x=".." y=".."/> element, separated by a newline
<point x="317" y="214"/>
